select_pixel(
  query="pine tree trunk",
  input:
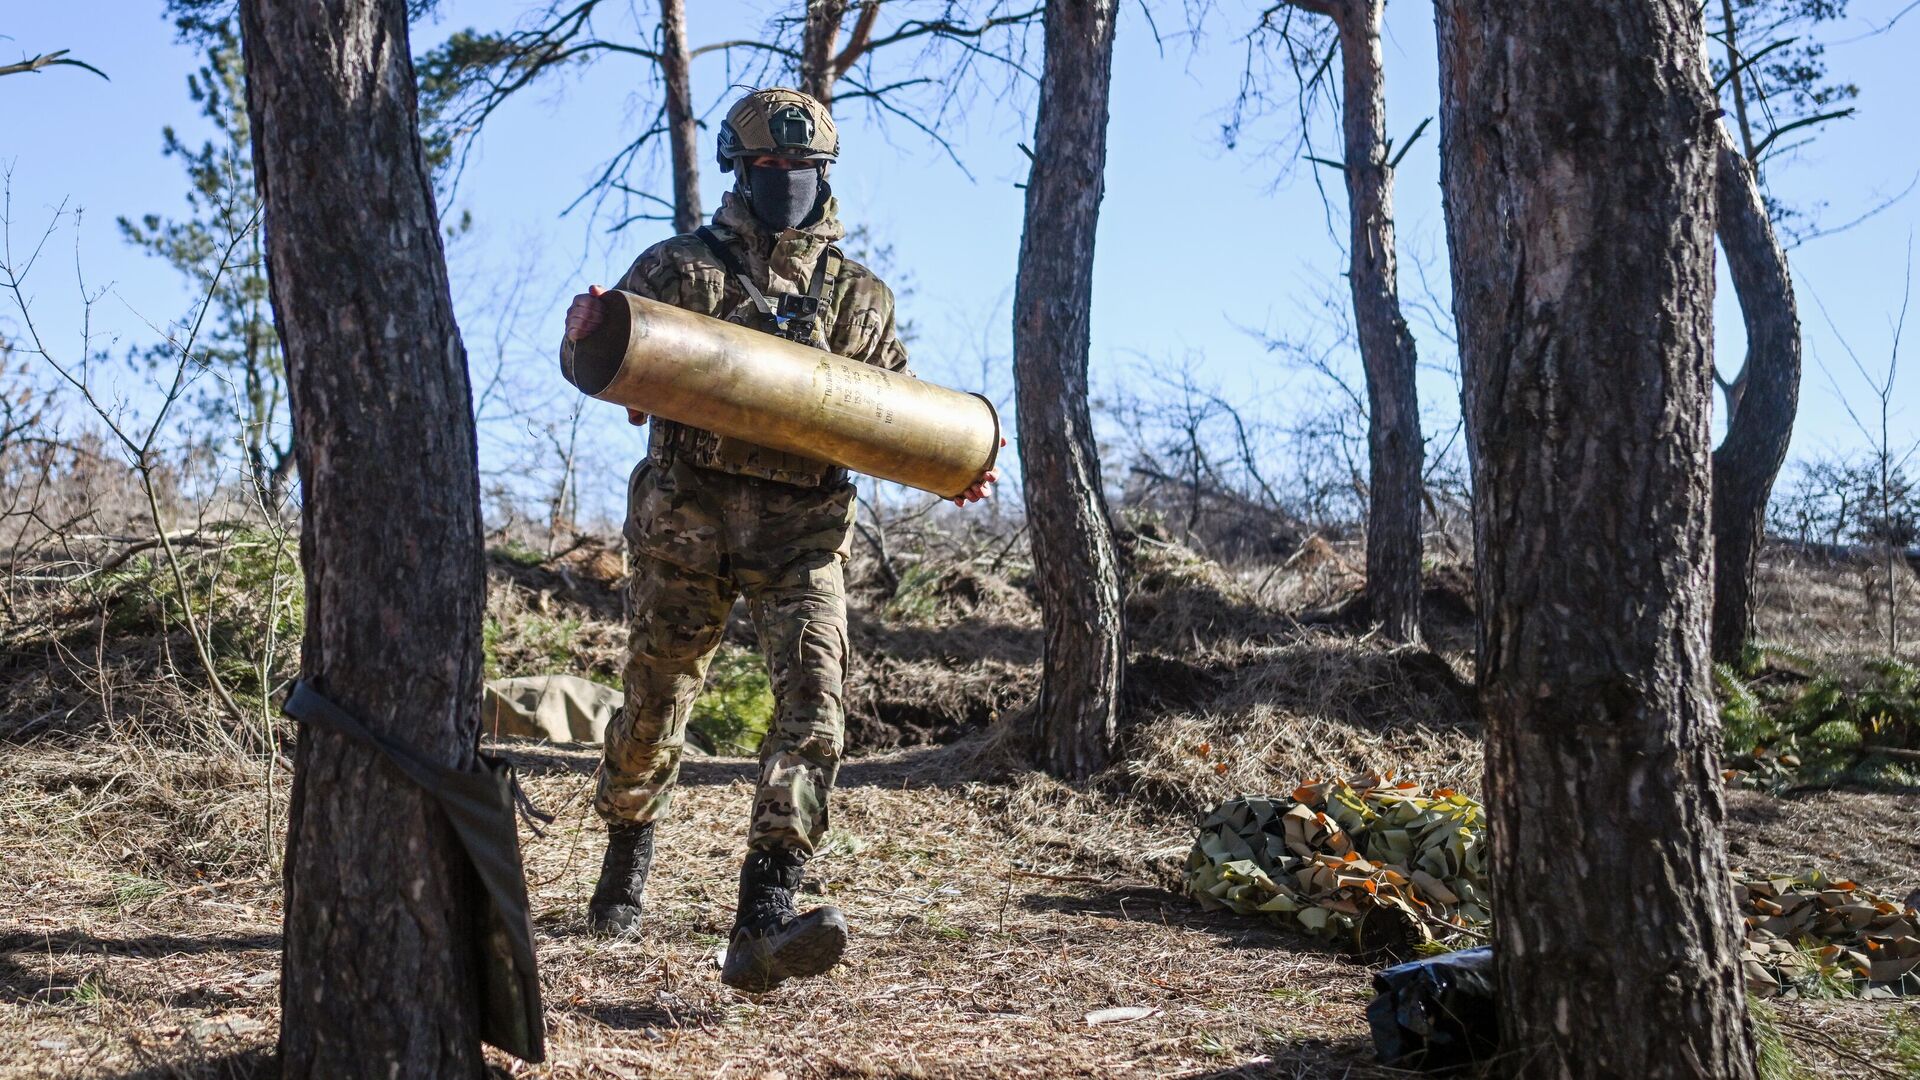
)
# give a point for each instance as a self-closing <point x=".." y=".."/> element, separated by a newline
<point x="683" y="128"/>
<point x="378" y="973"/>
<point x="1761" y="401"/>
<point x="1395" y="452"/>
<point x="1578" y="166"/>
<point x="1075" y="563"/>
<point x="818" y="37"/>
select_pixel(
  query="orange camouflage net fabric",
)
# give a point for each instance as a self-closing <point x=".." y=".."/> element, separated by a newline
<point x="1814" y="931"/>
<point x="1338" y="857"/>
<point x="1340" y="854"/>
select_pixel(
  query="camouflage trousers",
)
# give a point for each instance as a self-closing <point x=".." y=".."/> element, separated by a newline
<point x="698" y="539"/>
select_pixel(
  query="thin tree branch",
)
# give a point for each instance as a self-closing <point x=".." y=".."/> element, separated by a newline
<point x="1760" y="150"/>
<point x="858" y="42"/>
<point x="1818" y="233"/>
<point x="916" y="28"/>
<point x="744" y="43"/>
<point x="57" y="58"/>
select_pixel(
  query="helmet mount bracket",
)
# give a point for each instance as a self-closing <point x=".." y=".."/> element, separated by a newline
<point x="778" y="122"/>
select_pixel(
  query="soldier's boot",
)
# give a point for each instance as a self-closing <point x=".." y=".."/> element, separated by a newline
<point x="615" y="907"/>
<point x="772" y="942"/>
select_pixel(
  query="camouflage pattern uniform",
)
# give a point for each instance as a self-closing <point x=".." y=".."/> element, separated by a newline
<point x="709" y="518"/>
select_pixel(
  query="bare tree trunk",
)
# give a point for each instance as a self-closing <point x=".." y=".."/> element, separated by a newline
<point x="1075" y="562"/>
<point x="818" y="37"/>
<point x="1738" y="79"/>
<point x="820" y="65"/>
<point x="1761" y="401"/>
<point x="282" y="477"/>
<point x="378" y="974"/>
<point x="1395" y="452"/>
<point x="683" y="131"/>
<point x="1578" y="164"/>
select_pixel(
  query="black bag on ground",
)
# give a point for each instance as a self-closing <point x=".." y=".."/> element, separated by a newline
<point x="1436" y="1013"/>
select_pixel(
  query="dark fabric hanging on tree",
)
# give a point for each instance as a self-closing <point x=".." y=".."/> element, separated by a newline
<point x="480" y="804"/>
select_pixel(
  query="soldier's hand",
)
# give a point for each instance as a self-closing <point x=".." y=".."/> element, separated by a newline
<point x="982" y="488"/>
<point x="585" y="314"/>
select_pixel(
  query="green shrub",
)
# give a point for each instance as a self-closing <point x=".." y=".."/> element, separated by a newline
<point x="733" y="713"/>
<point x="246" y="595"/>
<point x="917" y="599"/>
<point x="1787" y="721"/>
<point x="1776" y="1060"/>
<point x="1906" y="1041"/>
<point x="528" y="643"/>
<point x="517" y="552"/>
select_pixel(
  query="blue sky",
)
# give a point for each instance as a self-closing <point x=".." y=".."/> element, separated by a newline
<point x="1197" y="242"/>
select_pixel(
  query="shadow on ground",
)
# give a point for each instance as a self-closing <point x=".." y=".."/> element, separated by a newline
<point x="1308" y="1059"/>
<point x="20" y="986"/>
<point x="1148" y="903"/>
<point x="259" y="1063"/>
<point x="630" y="1016"/>
<point x="970" y="641"/>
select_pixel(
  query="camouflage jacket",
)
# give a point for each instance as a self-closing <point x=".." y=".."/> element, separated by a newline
<point x="858" y="323"/>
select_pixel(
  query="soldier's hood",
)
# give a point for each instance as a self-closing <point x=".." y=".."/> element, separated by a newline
<point x="735" y="217"/>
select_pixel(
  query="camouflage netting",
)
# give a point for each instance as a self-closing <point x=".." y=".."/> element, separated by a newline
<point x="1813" y="931"/>
<point x="1342" y="858"/>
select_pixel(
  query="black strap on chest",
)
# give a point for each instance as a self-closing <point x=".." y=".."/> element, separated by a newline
<point x="796" y="314"/>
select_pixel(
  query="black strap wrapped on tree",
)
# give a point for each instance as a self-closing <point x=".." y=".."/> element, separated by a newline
<point x="480" y="804"/>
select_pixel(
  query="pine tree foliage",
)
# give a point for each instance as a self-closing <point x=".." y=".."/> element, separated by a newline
<point x="241" y="395"/>
<point x="1770" y="70"/>
<point x="1791" y="721"/>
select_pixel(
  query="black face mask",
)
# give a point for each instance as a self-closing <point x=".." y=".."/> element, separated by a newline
<point x="784" y="198"/>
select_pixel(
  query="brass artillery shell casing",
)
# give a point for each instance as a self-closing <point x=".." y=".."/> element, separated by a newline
<point x="728" y="379"/>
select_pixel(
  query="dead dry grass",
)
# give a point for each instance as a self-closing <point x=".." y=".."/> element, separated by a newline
<point x="1317" y="704"/>
<point x="1834" y="607"/>
<point x="1247" y="682"/>
<point x="950" y="651"/>
<point x="1868" y="836"/>
<point x="991" y="918"/>
<point x="993" y="909"/>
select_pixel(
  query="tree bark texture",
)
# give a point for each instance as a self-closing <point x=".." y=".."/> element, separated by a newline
<point x="378" y="971"/>
<point x="1762" y="399"/>
<point x="683" y="128"/>
<point x="818" y="37"/>
<point x="1578" y="164"/>
<point x="1395" y="452"/>
<point x="1075" y="561"/>
<point x="823" y="60"/>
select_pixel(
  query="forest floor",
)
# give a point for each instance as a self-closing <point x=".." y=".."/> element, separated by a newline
<point x="995" y="912"/>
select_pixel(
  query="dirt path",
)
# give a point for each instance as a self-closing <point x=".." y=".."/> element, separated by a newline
<point x="981" y="945"/>
<point x="990" y="919"/>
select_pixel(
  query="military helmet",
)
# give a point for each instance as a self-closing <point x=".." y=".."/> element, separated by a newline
<point x="782" y="122"/>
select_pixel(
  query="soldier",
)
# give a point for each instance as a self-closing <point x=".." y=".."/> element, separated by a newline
<point x="709" y="518"/>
